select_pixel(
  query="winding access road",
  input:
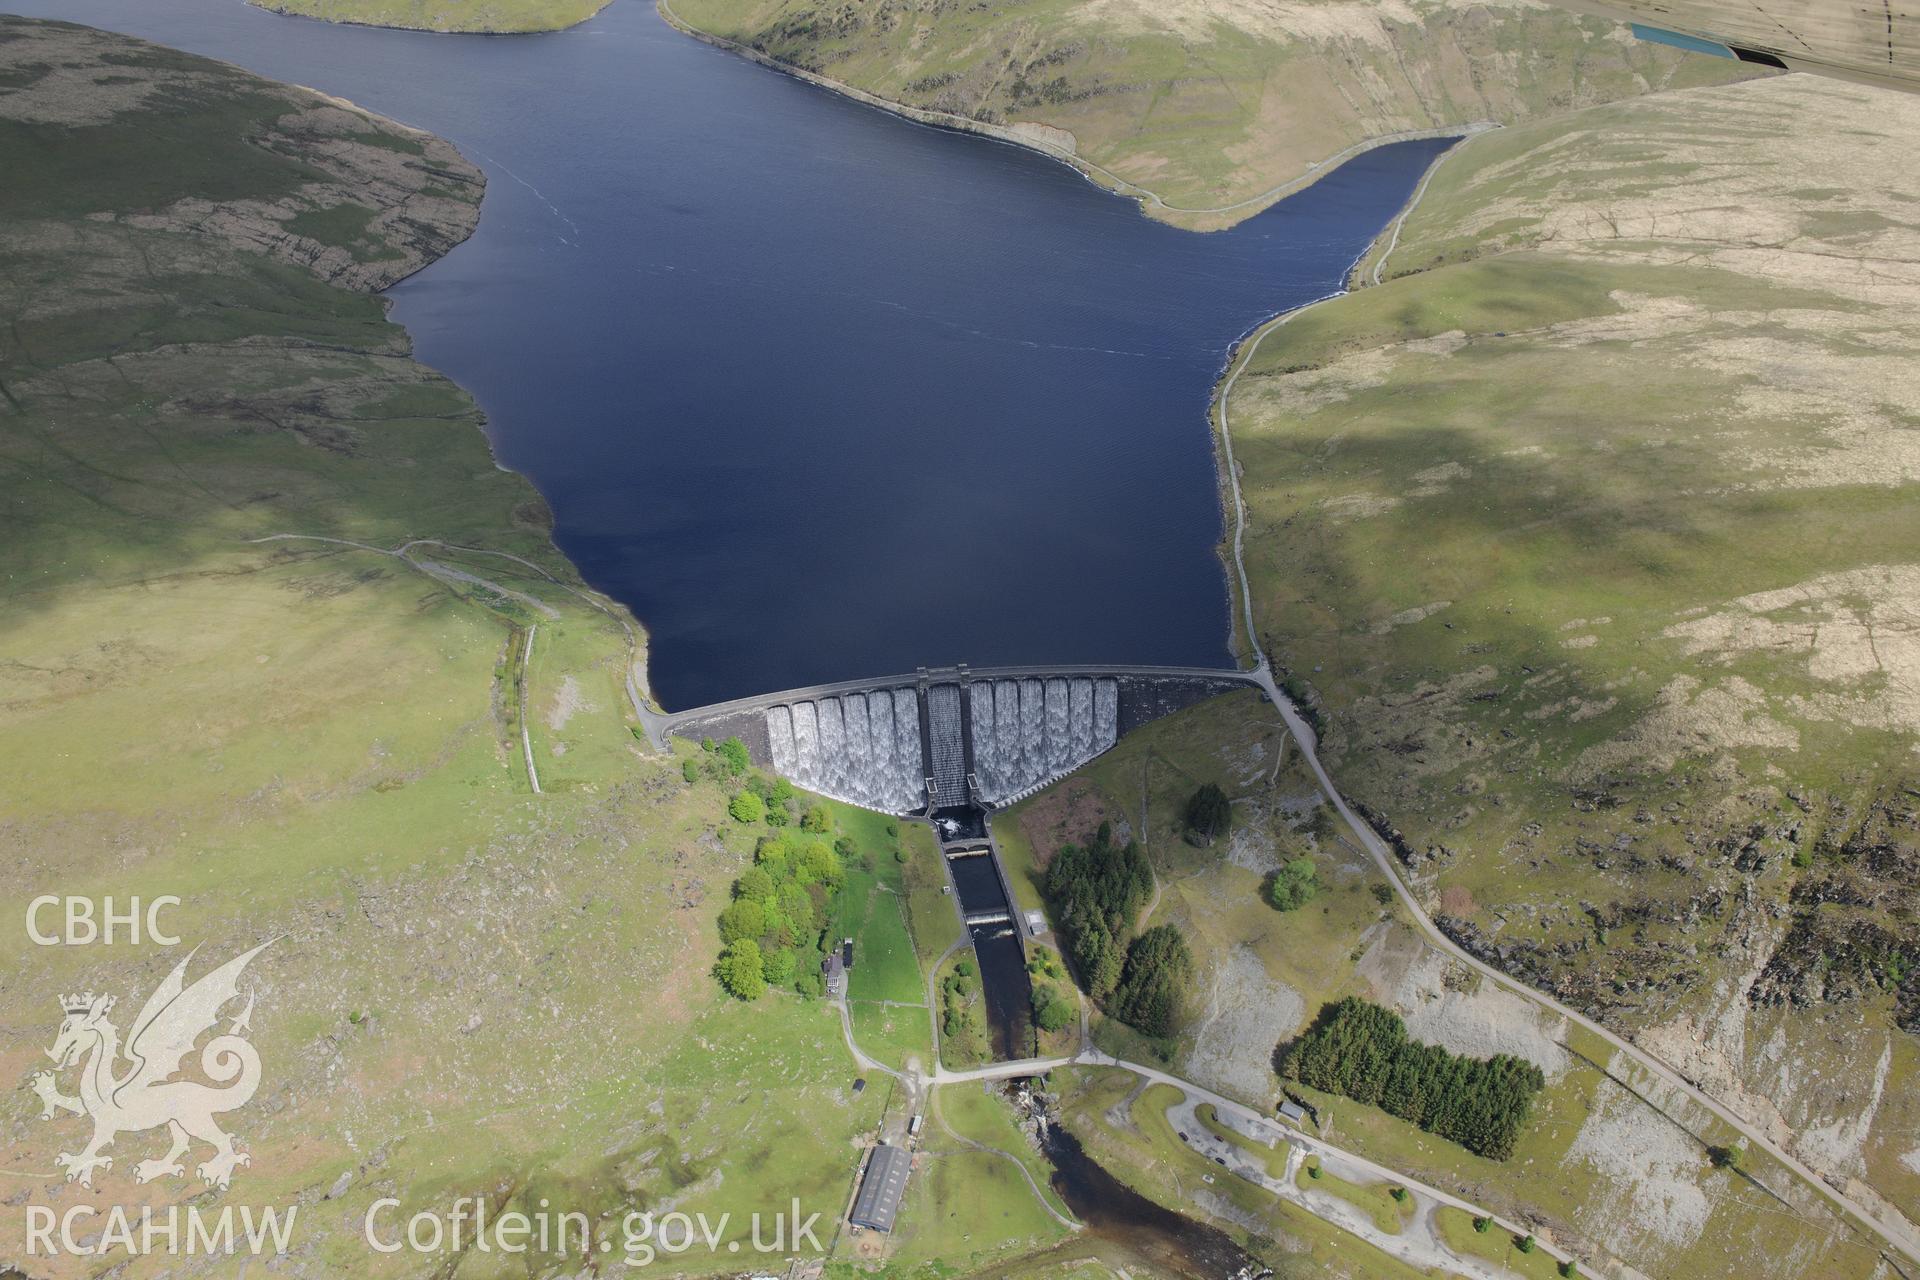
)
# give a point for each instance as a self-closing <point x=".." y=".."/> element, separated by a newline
<point x="1901" y="1236"/>
<point x="1418" y="1243"/>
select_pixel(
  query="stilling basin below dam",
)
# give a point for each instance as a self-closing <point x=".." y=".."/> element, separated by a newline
<point x="997" y="945"/>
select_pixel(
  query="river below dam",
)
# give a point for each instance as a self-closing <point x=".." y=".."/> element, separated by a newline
<point x="818" y="392"/>
<point x="1165" y="1242"/>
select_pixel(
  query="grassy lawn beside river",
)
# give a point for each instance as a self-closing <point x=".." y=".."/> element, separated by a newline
<point x="981" y="1113"/>
<point x="931" y="913"/>
<point x="886" y="988"/>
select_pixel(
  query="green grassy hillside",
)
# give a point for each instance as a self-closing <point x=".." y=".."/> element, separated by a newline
<point x="473" y="989"/>
<point x="1207" y="109"/>
<point x="1609" y="1168"/>
<point x="446" y="15"/>
<point x="1591" y="532"/>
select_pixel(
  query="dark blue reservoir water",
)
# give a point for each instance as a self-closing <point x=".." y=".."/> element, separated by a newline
<point x="818" y="392"/>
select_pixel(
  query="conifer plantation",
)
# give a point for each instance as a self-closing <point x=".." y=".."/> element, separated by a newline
<point x="1363" y="1051"/>
<point x="1097" y="892"/>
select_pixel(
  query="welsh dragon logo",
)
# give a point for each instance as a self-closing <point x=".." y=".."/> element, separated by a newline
<point x="139" y="1094"/>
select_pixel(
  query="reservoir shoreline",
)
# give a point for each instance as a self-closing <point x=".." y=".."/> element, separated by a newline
<point x="922" y="315"/>
<point x="1231" y="548"/>
<point x="1034" y="138"/>
<point x="1241" y="350"/>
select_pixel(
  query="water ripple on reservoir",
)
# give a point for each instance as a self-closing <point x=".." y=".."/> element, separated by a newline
<point x="819" y="392"/>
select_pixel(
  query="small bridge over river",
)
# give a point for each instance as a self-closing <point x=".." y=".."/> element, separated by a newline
<point x="949" y="737"/>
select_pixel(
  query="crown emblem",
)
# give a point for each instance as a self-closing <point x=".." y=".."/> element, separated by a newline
<point x="77" y="1003"/>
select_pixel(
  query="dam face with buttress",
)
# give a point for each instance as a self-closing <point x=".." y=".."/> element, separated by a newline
<point x="861" y="747"/>
<point x="1028" y="732"/>
<point x="952" y="739"/>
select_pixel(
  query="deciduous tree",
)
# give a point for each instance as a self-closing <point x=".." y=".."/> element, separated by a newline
<point x="743" y="918"/>
<point x="740" y="970"/>
<point x="1293" y="885"/>
<point x="734" y="752"/>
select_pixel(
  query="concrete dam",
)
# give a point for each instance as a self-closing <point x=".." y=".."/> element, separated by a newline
<point x="952" y="745"/>
<point x="859" y="747"/>
<point x="953" y="738"/>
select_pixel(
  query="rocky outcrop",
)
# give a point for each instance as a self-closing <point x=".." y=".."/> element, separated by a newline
<point x="421" y="197"/>
<point x="1853" y="934"/>
<point x="308" y="179"/>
